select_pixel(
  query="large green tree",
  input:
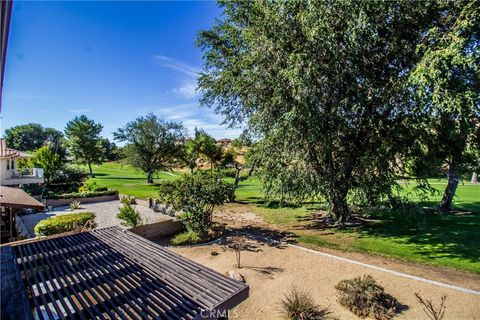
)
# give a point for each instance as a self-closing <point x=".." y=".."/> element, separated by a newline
<point x="46" y="159"/>
<point x="196" y="195"/>
<point x="29" y="137"/>
<point x="84" y="141"/>
<point x="191" y="150"/>
<point x="323" y="84"/>
<point x="208" y="147"/>
<point x="447" y="87"/>
<point x="152" y="144"/>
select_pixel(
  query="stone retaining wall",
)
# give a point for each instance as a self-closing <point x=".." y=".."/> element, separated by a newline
<point x="66" y="202"/>
<point x="160" y="229"/>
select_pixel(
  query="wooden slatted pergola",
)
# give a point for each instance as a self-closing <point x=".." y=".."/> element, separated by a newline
<point x="110" y="273"/>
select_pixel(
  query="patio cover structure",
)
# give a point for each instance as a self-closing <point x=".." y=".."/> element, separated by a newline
<point x="12" y="200"/>
<point x="109" y="273"/>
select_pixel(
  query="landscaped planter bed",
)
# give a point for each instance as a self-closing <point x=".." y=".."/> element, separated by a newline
<point x="65" y="199"/>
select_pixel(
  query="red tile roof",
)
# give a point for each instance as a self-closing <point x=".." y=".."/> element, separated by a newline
<point x="9" y="152"/>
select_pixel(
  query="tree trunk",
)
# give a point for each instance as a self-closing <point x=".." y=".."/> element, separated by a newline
<point x="150" y="177"/>
<point x="235" y="183"/>
<point x="474" y="178"/>
<point x="339" y="205"/>
<point x="252" y="168"/>
<point x="446" y="204"/>
<point x="90" y="169"/>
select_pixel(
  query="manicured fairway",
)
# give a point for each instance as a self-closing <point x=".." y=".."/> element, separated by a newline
<point x="437" y="239"/>
<point x="127" y="180"/>
<point x="446" y="240"/>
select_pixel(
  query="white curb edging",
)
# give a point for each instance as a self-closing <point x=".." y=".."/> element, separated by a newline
<point x="366" y="265"/>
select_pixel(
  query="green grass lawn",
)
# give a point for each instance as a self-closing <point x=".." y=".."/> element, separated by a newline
<point x="441" y="240"/>
<point x="129" y="181"/>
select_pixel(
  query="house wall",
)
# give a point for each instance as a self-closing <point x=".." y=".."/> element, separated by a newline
<point x="3" y="169"/>
<point x="6" y="174"/>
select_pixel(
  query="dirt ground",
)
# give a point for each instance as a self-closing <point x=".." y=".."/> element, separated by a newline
<point x="271" y="271"/>
<point x="240" y="217"/>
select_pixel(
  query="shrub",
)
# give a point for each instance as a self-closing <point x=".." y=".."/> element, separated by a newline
<point x="75" y="205"/>
<point x="128" y="200"/>
<point x="129" y="216"/>
<point x="196" y="195"/>
<point x="79" y="195"/>
<point x="299" y="305"/>
<point x="33" y="189"/>
<point x="185" y="238"/>
<point x="63" y="223"/>
<point x="228" y="172"/>
<point x="429" y="308"/>
<point x="91" y="185"/>
<point x="238" y="243"/>
<point x="68" y="179"/>
<point x="409" y="211"/>
<point x="365" y="298"/>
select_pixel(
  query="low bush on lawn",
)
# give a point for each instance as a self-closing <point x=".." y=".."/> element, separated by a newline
<point x="299" y="305"/>
<point x="79" y="195"/>
<point x="63" y="223"/>
<point x="90" y="185"/>
<point x="365" y="298"/>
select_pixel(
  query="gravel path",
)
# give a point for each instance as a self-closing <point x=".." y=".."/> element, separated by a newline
<point x="106" y="215"/>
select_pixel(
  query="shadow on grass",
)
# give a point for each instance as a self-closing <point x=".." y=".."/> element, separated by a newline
<point x="452" y="236"/>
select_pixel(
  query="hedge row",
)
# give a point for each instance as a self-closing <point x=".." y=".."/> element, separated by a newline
<point x="63" y="223"/>
<point x="89" y="194"/>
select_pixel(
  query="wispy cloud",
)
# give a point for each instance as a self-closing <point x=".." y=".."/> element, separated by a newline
<point x="188" y="90"/>
<point x="192" y="116"/>
<point x="177" y="112"/>
<point x="177" y="65"/>
<point x="80" y="111"/>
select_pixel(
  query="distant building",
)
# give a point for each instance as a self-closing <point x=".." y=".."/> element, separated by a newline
<point x="10" y="175"/>
<point x="224" y="142"/>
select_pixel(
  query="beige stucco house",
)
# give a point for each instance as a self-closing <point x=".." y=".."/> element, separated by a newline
<point x="10" y="175"/>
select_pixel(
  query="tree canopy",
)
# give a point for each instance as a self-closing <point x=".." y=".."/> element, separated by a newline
<point x="152" y="144"/>
<point x="447" y="85"/>
<point x="324" y="85"/>
<point x="46" y="159"/>
<point x="30" y="137"/>
<point x="196" y="195"/>
<point x="84" y="141"/>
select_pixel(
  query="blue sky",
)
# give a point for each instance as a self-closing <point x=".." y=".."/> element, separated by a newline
<point x="112" y="61"/>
